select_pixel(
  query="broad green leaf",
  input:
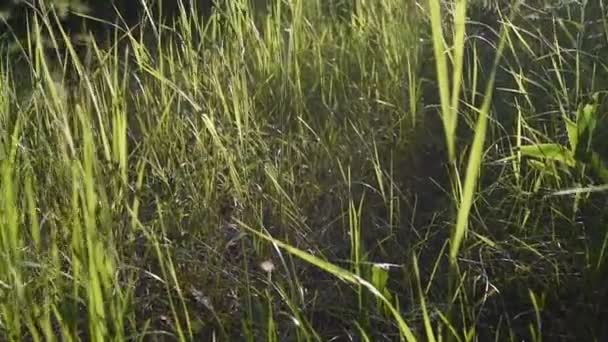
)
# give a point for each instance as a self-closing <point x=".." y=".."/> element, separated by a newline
<point x="555" y="152"/>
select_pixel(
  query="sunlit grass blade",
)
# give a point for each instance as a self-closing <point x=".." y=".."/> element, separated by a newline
<point x="460" y="16"/>
<point x="443" y="77"/>
<point x="475" y="156"/>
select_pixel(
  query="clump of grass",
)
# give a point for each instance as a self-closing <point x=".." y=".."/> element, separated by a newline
<point x="262" y="174"/>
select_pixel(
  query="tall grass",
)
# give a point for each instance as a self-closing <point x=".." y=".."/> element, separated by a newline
<point x="277" y="171"/>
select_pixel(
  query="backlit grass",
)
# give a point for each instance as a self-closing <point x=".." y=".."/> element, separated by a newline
<point x="308" y="170"/>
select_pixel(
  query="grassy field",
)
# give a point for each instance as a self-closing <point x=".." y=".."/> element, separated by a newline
<point x="310" y="170"/>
